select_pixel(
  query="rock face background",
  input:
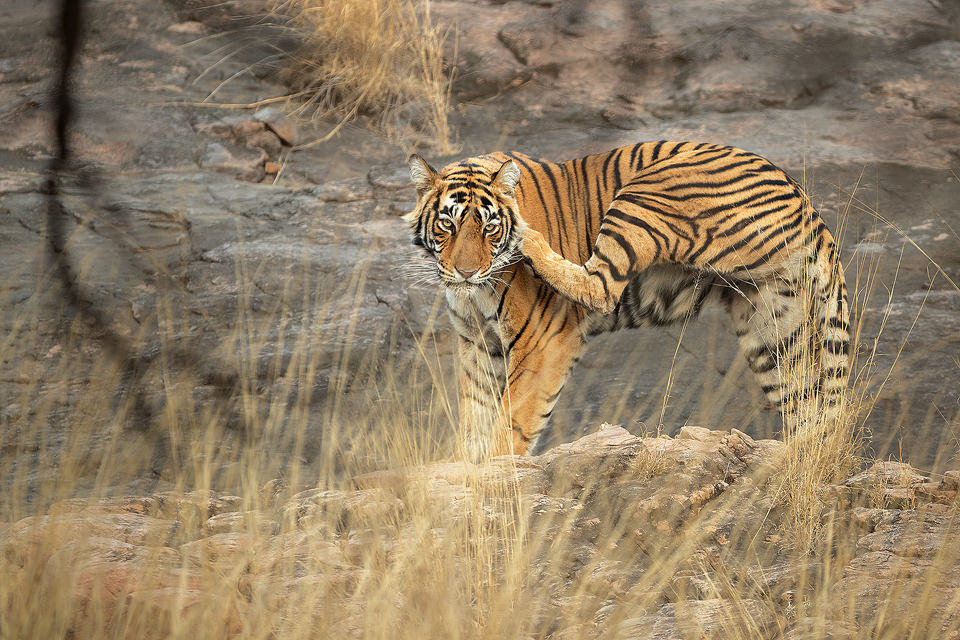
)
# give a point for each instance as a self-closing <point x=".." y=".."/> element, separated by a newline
<point x="196" y="224"/>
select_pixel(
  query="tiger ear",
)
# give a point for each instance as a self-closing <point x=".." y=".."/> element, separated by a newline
<point x="507" y="177"/>
<point x="423" y="175"/>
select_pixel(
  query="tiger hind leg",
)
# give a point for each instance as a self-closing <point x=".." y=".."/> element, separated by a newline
<point x="794" y="333"/>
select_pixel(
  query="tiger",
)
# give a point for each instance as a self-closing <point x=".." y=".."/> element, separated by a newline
<point x="534" y="257"/>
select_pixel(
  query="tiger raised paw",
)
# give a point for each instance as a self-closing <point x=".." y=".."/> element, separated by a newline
<point x="536" y="256"/>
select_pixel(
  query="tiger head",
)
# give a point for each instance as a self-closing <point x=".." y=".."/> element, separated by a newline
<point x="466" y="219"/>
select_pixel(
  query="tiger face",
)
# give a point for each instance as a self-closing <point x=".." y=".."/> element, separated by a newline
<point x="466" y="219"/>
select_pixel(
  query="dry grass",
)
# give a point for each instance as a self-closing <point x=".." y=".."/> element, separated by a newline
<point x="376" y="58"/>
<point x="446" y="561"/>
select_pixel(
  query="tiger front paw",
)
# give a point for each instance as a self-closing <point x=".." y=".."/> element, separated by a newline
<point x="533" y="246"/>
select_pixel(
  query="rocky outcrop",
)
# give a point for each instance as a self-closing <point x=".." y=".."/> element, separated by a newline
<point x="611" y="535"/>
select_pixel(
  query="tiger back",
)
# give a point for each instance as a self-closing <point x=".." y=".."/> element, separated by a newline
<point x="536" y="256"/>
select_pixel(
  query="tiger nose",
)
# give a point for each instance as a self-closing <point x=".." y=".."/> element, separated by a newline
<point x="466" y="273"/>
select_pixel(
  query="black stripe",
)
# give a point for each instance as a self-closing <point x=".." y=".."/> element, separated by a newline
<point x="536" y="183"/>
<point x="734" y="165"/>
<point x="714" y="186"/>
<point x="520" y="431"/>
<point x="547" y="169"/>
<point x="669" y="166"/>
<point x="503" y="296"/>
<point x="595" y="214"/>
<point x="789" y="225"/>
<point x="768" y="365"/>
<point x="617" y="180"/>
<point x="606" y="165"/>
<point x="837" y="323"/>
<point x="647" y="202"/>
<point x="680" y="233"/>
<point x="603" y="281"/>
<point x="485" y="401"/>
<point x="655" y="152"/>
<point x="616" y="214"/>
<point x="533" y="307"/>
<point x="553" y="398"/>
<point x="516" y="367"/>
<point x="747" y="219"/>
<point x="837" y="347"/>
<point x="615" y="273"/>
<point x="765" y="258"/>
<point x="625" y="245"/>
<point x="578" y="194"/>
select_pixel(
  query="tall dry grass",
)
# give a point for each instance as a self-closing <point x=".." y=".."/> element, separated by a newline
<point x="454" y="562"/>
<point x="377" y="58"/>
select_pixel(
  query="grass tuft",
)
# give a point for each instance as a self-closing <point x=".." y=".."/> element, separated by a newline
<point x="377" y="58"/>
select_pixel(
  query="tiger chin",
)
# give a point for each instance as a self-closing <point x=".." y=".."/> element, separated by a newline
<point x="537" y="256"/>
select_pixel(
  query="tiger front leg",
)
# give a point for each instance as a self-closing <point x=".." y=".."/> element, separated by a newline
<point x="481" y="382"/>
<point x="539" y="365"/>
<point x="597" y="284"/>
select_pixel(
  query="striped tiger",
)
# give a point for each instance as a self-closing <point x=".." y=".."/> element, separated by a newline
<point x="537" y="256"/>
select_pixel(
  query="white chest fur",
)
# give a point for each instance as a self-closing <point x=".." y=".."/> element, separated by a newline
<point x="474" y="316"/>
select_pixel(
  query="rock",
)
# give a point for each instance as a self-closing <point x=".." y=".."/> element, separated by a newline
<point x="191" y="27"/>
<point x="348" y="510"/>
<point x="246" y="166"/>
<point x="820" y="629"/>
<point x="592" y="80"/>
<point x="951" y="481"/>
<point x="229" y="551"/>
<point x="892" y="474"/>
<point x="148" y="505"/>
<point x="626" y="117"/>
<point x="159" y="611"/>
<point x="104" y="572"/>
<point x="484" y="66"/>
<point x="195" y="504"/>
<point x="685" y="525"/>
<point x="879" y="580"/>
<point x="702" y="619"/>
<point x="896" y="485"/>
<point x="279" y="123"/>
<point x="528" y="41"/>
<point x="231" y="14"/>
<point x="33" y="539"/>
<point x="239" y="522"/>
<point x="348" y="191"/>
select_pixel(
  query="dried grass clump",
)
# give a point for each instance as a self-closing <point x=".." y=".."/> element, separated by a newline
<point x="376" y="58"/>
